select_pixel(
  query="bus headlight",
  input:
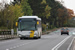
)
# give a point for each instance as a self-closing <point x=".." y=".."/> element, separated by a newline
<point x="19" y="35"/>
<point x="35" y="35"/>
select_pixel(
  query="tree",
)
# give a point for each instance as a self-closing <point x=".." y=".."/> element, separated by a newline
<point x="71" y="13"/>
<point x="26" y="8"/>
<point x="15" y="12"/>
<point x="10" y="15"/>
<point x="46" y="12"/>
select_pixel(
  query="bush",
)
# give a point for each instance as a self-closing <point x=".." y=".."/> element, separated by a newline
<point x="43" y="27"/>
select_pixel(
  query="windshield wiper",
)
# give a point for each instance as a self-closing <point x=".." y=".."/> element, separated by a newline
<point x="23" y="29"/>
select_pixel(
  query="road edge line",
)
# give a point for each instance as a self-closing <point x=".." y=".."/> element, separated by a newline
<point x="63" y="42"/>
<point x="60" y="43"/>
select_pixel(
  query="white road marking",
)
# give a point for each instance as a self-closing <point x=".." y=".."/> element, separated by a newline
<point x="7" y="49"/>
<point x="20" y="45"/>
<point x="59" y="44"/>
<point x="47" y="37"/>
<point x="63" y="42"/>
<point x="70" y="44"/>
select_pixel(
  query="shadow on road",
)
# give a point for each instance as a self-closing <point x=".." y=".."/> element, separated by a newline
<point x="29" y="39"/>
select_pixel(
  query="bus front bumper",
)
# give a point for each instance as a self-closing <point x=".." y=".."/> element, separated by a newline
<point x="27" y="36"/>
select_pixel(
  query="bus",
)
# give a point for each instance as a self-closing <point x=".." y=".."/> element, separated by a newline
<point x="29" y="27"/>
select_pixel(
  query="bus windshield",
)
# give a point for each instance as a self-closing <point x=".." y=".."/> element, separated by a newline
<point x="27" y="25"/>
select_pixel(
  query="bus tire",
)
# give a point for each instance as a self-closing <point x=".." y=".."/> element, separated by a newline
<point x="21" y="38"/>
<point x="39" y="37"/>
<point x="35" y="37"/>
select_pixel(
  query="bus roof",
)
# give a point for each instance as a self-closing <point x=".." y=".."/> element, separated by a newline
<point x="31" y="17"/>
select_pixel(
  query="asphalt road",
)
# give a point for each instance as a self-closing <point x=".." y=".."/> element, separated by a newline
<point x="52" y="41"/>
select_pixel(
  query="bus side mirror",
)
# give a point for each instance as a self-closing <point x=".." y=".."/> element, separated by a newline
<point x="37" y="22"/>
<point x="16" y="24"/>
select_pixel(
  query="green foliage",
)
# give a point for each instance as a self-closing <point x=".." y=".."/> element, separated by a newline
<point x="10" y="15"/>
<point x="26" y="7"/>
<point x="43" y="26"/>
<point x="43" y="2"/>
<point x="37" y="7"/>
<point x="15" y="12"/>
<point x="47" y="11"/>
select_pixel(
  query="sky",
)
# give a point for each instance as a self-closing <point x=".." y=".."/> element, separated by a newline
<point x="7" y="1"/>
<point x="69" y="4"/>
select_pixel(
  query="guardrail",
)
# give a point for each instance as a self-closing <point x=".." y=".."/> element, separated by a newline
<point x="7" y="34"/>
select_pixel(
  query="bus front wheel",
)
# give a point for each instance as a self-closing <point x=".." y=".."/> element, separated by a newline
<point x="39" y="37"/>
<point x="21" y="38"/>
